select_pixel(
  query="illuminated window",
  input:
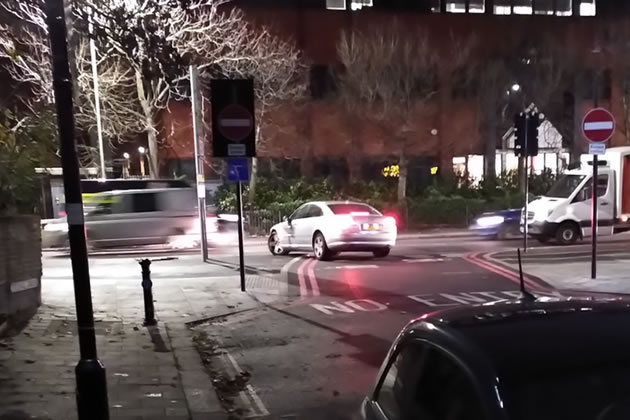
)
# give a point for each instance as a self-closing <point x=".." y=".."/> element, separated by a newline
<point x="502" y="7"/>
<point x="354" y="4"/>
<point x="456" y="7"/>
<point x="522" y="7"/>
<point x="564" y="7"/>
<point x="587" y="8"/>
<point x="476" y="6"/>
<point x="544" y="7"/>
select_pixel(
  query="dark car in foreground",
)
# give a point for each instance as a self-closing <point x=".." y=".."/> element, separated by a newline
<point x="501" y="224"/>
<point x="548" y="359"/>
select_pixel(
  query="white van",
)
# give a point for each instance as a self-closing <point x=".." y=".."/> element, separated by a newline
<point x="132" y="217"/>
<point x="564" y="213"/>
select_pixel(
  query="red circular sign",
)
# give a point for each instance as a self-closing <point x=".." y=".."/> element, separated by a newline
<point x="598" y="125"/>
<point x="235" y="122"/>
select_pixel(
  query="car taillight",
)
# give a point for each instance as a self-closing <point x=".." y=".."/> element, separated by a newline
<point x="391" y="221"/>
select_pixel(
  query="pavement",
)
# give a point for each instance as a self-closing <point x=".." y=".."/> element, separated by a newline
<point x="569" y="268"/>
<point x="305" y="341"/>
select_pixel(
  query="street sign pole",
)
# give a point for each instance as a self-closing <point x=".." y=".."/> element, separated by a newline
<point x="241" y="259"/>
<point x="91" y="390"/>
<point x="525" y="229"/>
<point x="199" y="157"/>
<point x="594" y="193"/>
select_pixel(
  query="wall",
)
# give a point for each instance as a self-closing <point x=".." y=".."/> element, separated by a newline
<point x="20" y="267"/>
<point x="321" y="129"/>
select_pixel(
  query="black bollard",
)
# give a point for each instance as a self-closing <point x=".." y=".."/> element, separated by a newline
<point x="147" y="288"/>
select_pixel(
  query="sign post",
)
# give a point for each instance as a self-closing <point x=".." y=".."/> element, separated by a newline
<point x="198" y="142"/>
<point x="598" y="127"/>
<point x="91" y="390"/>
<point x="234" y="137"/>
<point x="237" y="172"/>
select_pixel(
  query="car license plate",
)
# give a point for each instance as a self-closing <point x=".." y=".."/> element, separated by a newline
<point x="370" y="227"/>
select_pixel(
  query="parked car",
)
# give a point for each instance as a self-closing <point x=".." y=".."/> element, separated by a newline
<point x="500" y="224"/>
<point x="330" y="227"/>
<point x="548" y="359"/>
<point x="132" y="217"/>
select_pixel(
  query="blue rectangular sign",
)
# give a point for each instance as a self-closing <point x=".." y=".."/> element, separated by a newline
<point x="237" y="170"/>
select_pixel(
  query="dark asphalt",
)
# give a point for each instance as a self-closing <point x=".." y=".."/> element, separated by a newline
<point x="316" y="355"/>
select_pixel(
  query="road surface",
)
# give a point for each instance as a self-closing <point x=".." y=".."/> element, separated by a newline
<point x="315" y="353"/>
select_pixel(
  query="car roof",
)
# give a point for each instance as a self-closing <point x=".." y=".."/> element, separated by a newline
<point x="142" y="191"/>
<point x="327" y="203"/>
<point x="518" y="337"/>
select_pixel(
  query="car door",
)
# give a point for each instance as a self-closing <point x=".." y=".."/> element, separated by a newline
<point x="294" y="224"/>
<point x="583" y="206"/>
<point x="308" y="225"/>
<point x="422" y="382"/>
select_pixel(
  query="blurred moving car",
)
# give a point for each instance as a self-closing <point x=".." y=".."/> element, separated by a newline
<point x="132" y="217"/>
<point x="330" y="227"/>
<point x="498" y="224"/>
<point x="545" y="359"/>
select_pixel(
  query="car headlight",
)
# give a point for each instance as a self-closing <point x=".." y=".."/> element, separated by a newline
<point x="490" y="220"/>
<point x="56" y="227"/>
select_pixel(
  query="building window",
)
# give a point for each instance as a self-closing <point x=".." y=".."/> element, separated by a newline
<point x="544" y="7"/>
<point x="456" y="6"/>
<point x="564" y="7"/>
<point x="354" y="4"/>
<point x="476" y="6"/>
<point x="522" y="7"/>
<point x="587" y="8"/>
<point x="502" y="7"/>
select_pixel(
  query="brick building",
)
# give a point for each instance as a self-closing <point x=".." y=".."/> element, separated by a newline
<point x="312" y="139"/>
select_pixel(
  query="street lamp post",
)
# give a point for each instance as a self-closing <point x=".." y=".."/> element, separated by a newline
<point x="126" y="170"/>
<point x="142" y="151"/>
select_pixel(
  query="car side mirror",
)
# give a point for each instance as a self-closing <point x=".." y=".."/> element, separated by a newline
<point x="286" y="219"/>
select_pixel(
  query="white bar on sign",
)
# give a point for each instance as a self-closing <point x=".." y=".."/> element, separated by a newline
<point x="235" y="122"/>
<point x="236" y="150"/>
<point x="602" y="125"/>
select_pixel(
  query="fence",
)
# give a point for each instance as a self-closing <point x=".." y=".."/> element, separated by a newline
<point x="259" y="222"/>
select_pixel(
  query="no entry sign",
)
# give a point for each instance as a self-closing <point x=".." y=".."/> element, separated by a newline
<point x="598" y="125"/>
<point x="236" y="122"/>
<point x="233" y="121"/>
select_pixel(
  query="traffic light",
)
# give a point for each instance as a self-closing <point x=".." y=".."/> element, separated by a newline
<point x="533" y="122"/>
<point x="526" y="133"/>
<point x="519" y="133"/>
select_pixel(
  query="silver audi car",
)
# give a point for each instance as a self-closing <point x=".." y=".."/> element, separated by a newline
<point x="330" y="227"/>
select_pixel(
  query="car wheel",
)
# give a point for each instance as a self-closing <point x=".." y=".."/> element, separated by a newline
<point x="320" y="248"/>
<point x="273" y="243"/>
<point x="567" y="233"/>
<point x="381" y="252"/>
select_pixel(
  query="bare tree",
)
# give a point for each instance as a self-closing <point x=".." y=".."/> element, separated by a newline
<point x="223" y="44"/>
<point x="389" y="78"/>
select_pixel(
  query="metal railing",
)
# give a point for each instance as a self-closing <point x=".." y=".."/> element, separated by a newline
<point x="259" y="222"/>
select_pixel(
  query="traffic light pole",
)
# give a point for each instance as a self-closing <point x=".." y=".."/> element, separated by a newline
<point x="91" y="390"/>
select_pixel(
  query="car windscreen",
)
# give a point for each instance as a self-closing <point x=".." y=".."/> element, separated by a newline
<point x="600" y="392"/>
<point x="352" y="208"/>
<point x="565" y="186"/>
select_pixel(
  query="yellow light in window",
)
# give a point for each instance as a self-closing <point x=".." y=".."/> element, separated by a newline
<point x="434" y="170"/>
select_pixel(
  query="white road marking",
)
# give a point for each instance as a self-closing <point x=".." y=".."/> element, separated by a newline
<point x="422" y="260"/>
<point x="284" y="275"/>
<point x="249" y="392"/>
<point x="352" y="267"/>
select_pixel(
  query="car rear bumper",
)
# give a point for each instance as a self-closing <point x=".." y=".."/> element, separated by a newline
<point x="362" y="241"/>
<point x="54" y="239"/>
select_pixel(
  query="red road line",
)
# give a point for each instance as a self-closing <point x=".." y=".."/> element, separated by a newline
<point x="312" y="278"/>
<point x="473" y="258"/>
<point x="302" y="280"/>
